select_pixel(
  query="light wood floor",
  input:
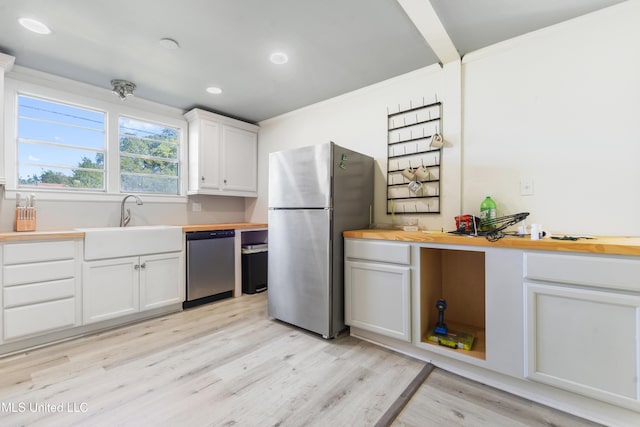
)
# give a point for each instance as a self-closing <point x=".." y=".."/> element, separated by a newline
<point x="227" y="364"/>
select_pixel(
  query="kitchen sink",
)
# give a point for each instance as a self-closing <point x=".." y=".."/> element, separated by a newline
<point x="115" y="242"/>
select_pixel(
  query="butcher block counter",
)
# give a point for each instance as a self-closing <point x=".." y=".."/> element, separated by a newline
<point x="225" y="226"/>
<point x="597" y="245"/>
<point x="15" y="236"/>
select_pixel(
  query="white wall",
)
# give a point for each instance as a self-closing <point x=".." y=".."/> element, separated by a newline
<point x="65" y="215"/>
<point x="559" y="107"/>
<point x="358" y="120"/>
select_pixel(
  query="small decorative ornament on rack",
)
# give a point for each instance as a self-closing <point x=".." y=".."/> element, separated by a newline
<point x="414" y="156"/>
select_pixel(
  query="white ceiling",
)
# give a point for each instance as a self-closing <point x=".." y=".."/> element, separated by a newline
<point x="334" y="46"/>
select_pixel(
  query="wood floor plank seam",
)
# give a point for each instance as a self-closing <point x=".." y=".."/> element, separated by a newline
<point x="404" y="398"/>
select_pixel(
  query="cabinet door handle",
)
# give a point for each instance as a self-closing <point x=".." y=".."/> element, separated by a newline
<point x="137" y="267"/>
<point x="202" y="178"/>
<point x="225" y="181"/>
<point x="143" y="265"/>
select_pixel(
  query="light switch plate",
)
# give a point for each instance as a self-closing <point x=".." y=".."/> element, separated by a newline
<point x="526" y="187"/>
<point x="196" y="207"/>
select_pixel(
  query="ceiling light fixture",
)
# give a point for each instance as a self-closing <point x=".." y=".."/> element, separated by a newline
<point x="214" y="90"/>
<point x="169" y="44"/>
<point x="279" y="58"/>
<point x="122" y="88"/>
<point x="34" y="25"/>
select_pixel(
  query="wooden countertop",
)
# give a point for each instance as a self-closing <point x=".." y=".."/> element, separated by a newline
<point x="227" y="226"/>
<point x="23" y="236"/>
<point x="15" y="236"/>
<point x="598" y="245"/>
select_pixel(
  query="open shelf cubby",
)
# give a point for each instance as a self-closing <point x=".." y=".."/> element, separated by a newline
<point x="458" y="276"/>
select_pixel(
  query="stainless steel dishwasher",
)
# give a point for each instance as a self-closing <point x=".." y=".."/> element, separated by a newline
<point x="210" y="266"/>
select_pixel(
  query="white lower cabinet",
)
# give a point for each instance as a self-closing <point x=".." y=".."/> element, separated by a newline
<point x="40" y="288"/>
<point x="378" y="298"/>
<point x="120" y="286"/>
<point x="580" y="336"/>
<point x="161" y="280"/>
<point x="378" y="295"/>
<point x="109" y="289"/>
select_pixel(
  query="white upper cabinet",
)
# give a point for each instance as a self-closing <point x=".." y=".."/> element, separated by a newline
<point x="223" y="155"/>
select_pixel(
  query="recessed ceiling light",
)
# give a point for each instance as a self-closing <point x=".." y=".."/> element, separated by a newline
<point x="34" y="25"/>
<point x="279" y="58"/>
<point x="214" y="90"/>
<point x="169" y="44"/>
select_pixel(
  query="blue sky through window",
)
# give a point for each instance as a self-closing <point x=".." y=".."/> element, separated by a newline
<point x="52" y="134"/>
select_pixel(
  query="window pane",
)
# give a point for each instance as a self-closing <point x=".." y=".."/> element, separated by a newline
<point x="147" y="166"/>
<point x="135" y="145"/>
<point x="60" y="134"/>
<point x="56" y="178"/>
<point x="38" y="154"/>
<point x="135" y="183"/>
<point x="148" y="157"/>
<point x="60" y="146"/>
<point x="56" y="112"/>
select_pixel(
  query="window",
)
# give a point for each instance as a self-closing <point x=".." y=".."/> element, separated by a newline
<point x="148" y="157"/>
<point x="60" y="146"/>
<point x="78" y="142"/>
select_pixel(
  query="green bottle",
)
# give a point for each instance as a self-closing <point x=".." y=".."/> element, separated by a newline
<point x="488" y="214"/>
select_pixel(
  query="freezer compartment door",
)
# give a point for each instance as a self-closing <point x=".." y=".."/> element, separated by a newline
<point x="301" y="177"/>
<point x="299" y="271"/>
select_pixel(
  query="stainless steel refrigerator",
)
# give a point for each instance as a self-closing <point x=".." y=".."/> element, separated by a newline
<point x="315" y="193"/>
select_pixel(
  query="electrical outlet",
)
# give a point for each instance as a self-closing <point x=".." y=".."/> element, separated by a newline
<point x="196" y="207"/>
<point x="526" y="187"/>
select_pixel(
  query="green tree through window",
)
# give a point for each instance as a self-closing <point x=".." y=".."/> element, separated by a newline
<point x="148" y="157"/>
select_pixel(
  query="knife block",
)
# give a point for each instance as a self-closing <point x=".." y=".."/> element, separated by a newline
<point x="25" y="219"/>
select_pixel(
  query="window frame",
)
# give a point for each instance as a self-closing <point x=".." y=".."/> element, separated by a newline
<point x="178" y="143"/>
<point x="50" y="142"/>
<point x="57" y="89"/>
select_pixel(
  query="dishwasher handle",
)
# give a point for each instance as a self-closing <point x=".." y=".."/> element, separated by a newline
<point x="212" y="234"/>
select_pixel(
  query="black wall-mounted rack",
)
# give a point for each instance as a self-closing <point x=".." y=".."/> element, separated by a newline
<point x="409" y="135"/>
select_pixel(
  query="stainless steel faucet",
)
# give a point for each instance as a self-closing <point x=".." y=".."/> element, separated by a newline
<point x="124" y="219"/>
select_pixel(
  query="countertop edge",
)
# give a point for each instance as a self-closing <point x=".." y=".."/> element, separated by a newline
<point x="25" y="236"/>
<point x="222" y="226"/>
<point x="609" y="245"/>
<point x="22" y="236"/>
